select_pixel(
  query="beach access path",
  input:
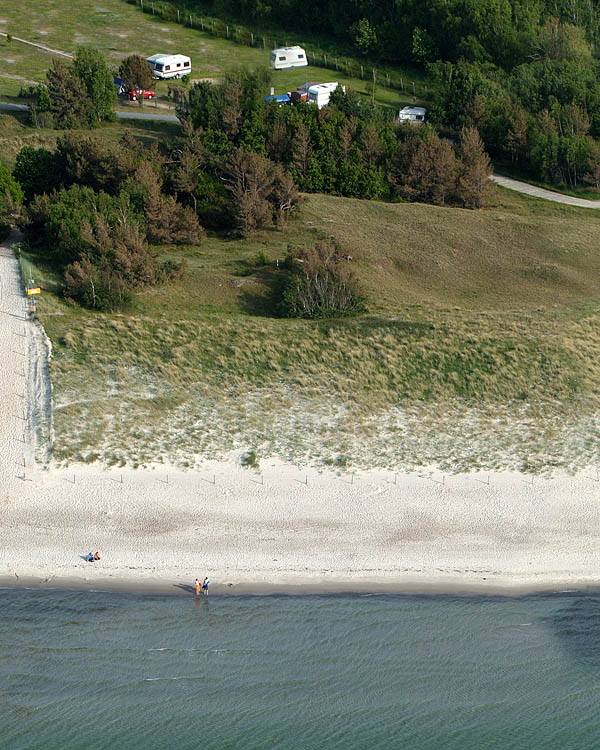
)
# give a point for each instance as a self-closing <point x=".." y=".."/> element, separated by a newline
<point x="16" y="452"/>
<point x="282" y="528"/>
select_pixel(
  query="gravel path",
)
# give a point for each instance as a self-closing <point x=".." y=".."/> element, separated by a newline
<point x="538" y="192"/>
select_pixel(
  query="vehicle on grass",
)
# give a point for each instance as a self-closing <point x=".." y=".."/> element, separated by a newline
<point x="288" y="57"/>
<point x="321" y="93"/>
<point x="169" y="66"/>
<point x="136" y="94"/>
<point x="412" y="114"/>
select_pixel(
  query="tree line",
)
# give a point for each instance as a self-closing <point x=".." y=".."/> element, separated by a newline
<point x="542" y="116"/>
<point x="523" y="72"/>
<point x="349" y="148"/>
<point x="504" y="32"/>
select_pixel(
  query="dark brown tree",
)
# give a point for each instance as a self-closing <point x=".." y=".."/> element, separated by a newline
<point x="232" y="111"/>
<point x="301" y="147"/>
<point x="167" y="221"/>
<point x="278" y="141"/>
<point x="250" y="179"/>
<point x="432" y="172"/>
<point x="261" y="191"/>
<point x="372" y="148"/>
<point x="348" y="135"/>
<point x="473" y="184"/>
<point x="184" y="176"/>
<point x="135" y="73"/>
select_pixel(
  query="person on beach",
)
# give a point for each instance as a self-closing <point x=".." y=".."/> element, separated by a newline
<point x="96" y="556"/>
<point x="89" y="557"/>
<point x="205" y="585"/>
<point x="197" y="587"/>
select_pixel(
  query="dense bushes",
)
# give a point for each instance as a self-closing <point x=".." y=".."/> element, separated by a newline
<point x="524" y="73"/>
<point x="505" y="33"/>
<point x="93" y="208"/>
<point x="346" y="149"/>
<point x="319" y="284"/>
<point x="97" y="240"/>
<point x="542" y="115"/>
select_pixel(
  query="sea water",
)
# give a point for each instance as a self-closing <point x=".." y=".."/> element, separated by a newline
<point x="106" y="670"/>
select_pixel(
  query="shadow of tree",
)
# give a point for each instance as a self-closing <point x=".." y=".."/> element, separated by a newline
<point x="263" y="297"/>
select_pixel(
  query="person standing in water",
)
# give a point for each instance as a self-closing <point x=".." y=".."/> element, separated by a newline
<point x="197" y="587"/>
<point x="205" y="585"/>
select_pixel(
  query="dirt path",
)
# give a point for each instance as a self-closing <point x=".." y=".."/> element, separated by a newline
<point x="538" y="192"/>
<point x="39" y="46"/>
<point x="25" y="404"/>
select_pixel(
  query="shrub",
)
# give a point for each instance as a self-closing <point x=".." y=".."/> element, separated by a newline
<point x="249" y="459"/>
<point x="319" y="285"/>
<point x="262" y="259"/>
<point x="95" y="285"/>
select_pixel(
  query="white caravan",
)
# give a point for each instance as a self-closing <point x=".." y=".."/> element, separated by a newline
<point x="412" y="114"/>
<point x="170" y="66"/>
<point x="320" y="93"/>
<point x="288" y="57"/>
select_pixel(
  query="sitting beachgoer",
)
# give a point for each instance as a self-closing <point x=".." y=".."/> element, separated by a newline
<point x="89" y="557"/>
<point x="96" y="556"/>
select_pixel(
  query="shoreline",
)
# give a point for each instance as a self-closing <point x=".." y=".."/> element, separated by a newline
<point x="336" y="587"/>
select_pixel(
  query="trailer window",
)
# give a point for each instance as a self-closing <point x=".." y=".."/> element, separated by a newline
<point x="158" y="66"/>
<point x="167" y="67"/>
<point x="282" y="59"/>
<point x="300" y="54"/>
<point x="419" y="117"/>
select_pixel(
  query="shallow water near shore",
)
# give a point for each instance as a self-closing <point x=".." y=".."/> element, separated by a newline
<point x="104" y="670"/>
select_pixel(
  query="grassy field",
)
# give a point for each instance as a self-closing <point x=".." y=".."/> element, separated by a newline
<point x="118" y="30"/>
<point x="479" y="348"/>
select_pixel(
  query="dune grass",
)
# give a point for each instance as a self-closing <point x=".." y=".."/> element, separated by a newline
<point x="479" y="349"/>
<point x="119" y="30"/>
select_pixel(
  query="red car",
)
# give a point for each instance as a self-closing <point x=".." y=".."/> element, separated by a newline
<point x="134" y="95"/>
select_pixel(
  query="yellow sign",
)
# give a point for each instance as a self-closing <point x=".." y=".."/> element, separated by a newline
<point x="35" y="290"/>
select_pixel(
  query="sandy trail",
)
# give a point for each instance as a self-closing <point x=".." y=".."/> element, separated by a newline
<point x="15" y="432"/>
<point x="285" y="527"/>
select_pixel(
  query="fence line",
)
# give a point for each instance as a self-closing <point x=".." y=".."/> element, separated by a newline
<point x="241" y="35"/>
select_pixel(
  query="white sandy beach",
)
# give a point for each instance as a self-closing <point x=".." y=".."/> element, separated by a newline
<point x="281" y="530"/>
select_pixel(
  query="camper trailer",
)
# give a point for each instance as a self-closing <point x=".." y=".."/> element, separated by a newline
<point x="169" y="66"/>
<point x="288" y="57"/>
<point x="321" y="92"/>
<point x="412" y="114"/>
